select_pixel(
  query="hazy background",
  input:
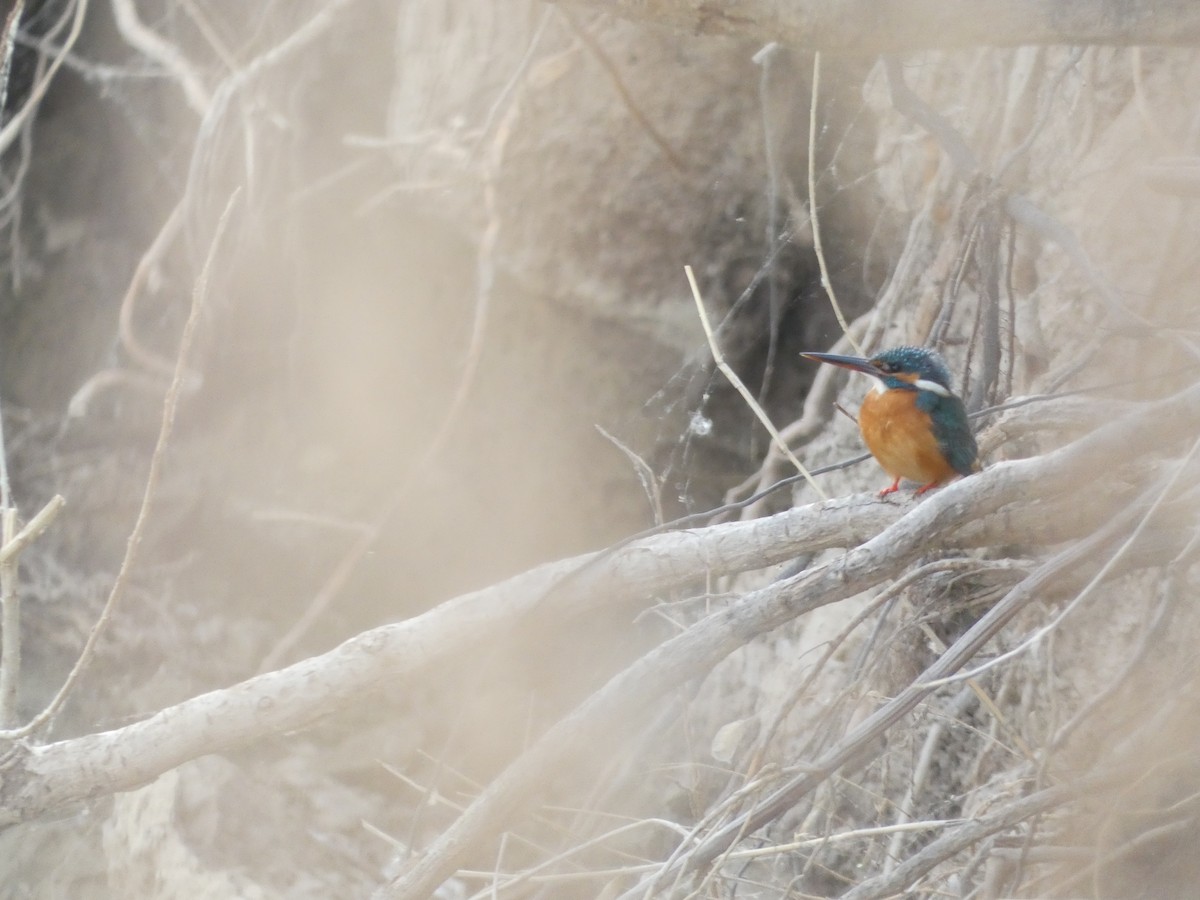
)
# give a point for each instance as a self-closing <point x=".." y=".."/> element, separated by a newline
<point x="456" y="255"/>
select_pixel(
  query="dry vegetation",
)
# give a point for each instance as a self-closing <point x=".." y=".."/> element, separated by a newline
<point x="349" y="330"/>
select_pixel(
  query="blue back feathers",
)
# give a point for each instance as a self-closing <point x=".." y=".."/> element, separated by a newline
<point x="953" y="431"/>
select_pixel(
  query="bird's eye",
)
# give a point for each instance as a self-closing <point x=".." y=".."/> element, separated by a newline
<point x="888" y="368"/>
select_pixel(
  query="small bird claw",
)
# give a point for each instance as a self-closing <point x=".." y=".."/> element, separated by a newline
<point x="890" y="490"/>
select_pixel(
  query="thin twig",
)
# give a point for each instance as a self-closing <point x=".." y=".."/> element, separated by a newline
<point x="155" y="47"/>
<point x="10" y="641"/>
<point x="32" y="529"/>
<point x="170" y="405"/>
<point x="1024" y="211"/>
<point x="236" y="85"/>
<point x="863" y="743"/>
<point x="987" y="260"/>
<point x="505" y="95"/>
<point x="920" y="775"/>
<point x="10" y="662"/>
<point x="983" y="696"/>
<point x="651" y="485"/>
<point x="205" y="27"/>
<point x="719" y="359"/>
<point x="851" y="835"/>
<point x="20" y="118"/>
<point x="715" y="813"/>
<point x="138" y="352"/>
<point x="893" y="590"/>
<point x="955" y="841"/>
<point x="764" y="58"/>
<point x="10" y="649"/>
<point x="7" y="42"/>
<point x="1110" y="563"/>
<point x="826" y="283"/>
<point x="129" y="340"/>
<point x="537" y="873"/>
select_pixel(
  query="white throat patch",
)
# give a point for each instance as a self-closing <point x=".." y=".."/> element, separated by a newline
<point x="932" y="386"/>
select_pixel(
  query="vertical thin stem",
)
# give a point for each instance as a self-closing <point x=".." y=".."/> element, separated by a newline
<point x="10" y="614"/>
<point x="9" y="41"/>
<point x="10" y="641"/>
<point x="727" y="371"/>
<point x="775" y="303"/>
<point x="812" y="204"/>
<point x="170" y="405"/>
<point x="13" y="127"/>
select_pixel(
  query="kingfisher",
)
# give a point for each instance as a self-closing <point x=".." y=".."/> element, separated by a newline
<point x="913" y="423"/>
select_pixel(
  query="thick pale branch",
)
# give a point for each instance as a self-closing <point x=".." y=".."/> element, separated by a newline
<point x="39" y="778"/>
<point x="873" y="27"/>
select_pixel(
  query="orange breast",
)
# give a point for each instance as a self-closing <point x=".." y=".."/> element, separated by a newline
<point x="901" y="438"/>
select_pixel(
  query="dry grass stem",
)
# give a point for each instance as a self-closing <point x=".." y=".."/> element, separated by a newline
<point x="1110" y="563"/>
<point x="157" y="459"/>
<point x="8" y="40"/>
<point x="813" y="216"/>
<point x="23" y="116"/>
<point x="10" y="649"/>
<point x="32" y="529"/>
<point x="153" y="46"/>
<point x="10" y="661"/>
<point x="727" y="371"/>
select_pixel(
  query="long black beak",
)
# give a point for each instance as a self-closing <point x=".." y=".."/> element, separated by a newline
<point x="857" y="363"/>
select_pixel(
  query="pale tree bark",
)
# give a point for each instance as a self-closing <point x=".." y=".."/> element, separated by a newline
<point x="869" y="28"/>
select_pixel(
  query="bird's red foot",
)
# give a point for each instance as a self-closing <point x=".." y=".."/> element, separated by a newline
<point x="890" y="490"/>
<point x="926" y="487"/>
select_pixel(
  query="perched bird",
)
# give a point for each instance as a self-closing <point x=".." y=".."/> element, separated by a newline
<point x="913" y="424"/>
